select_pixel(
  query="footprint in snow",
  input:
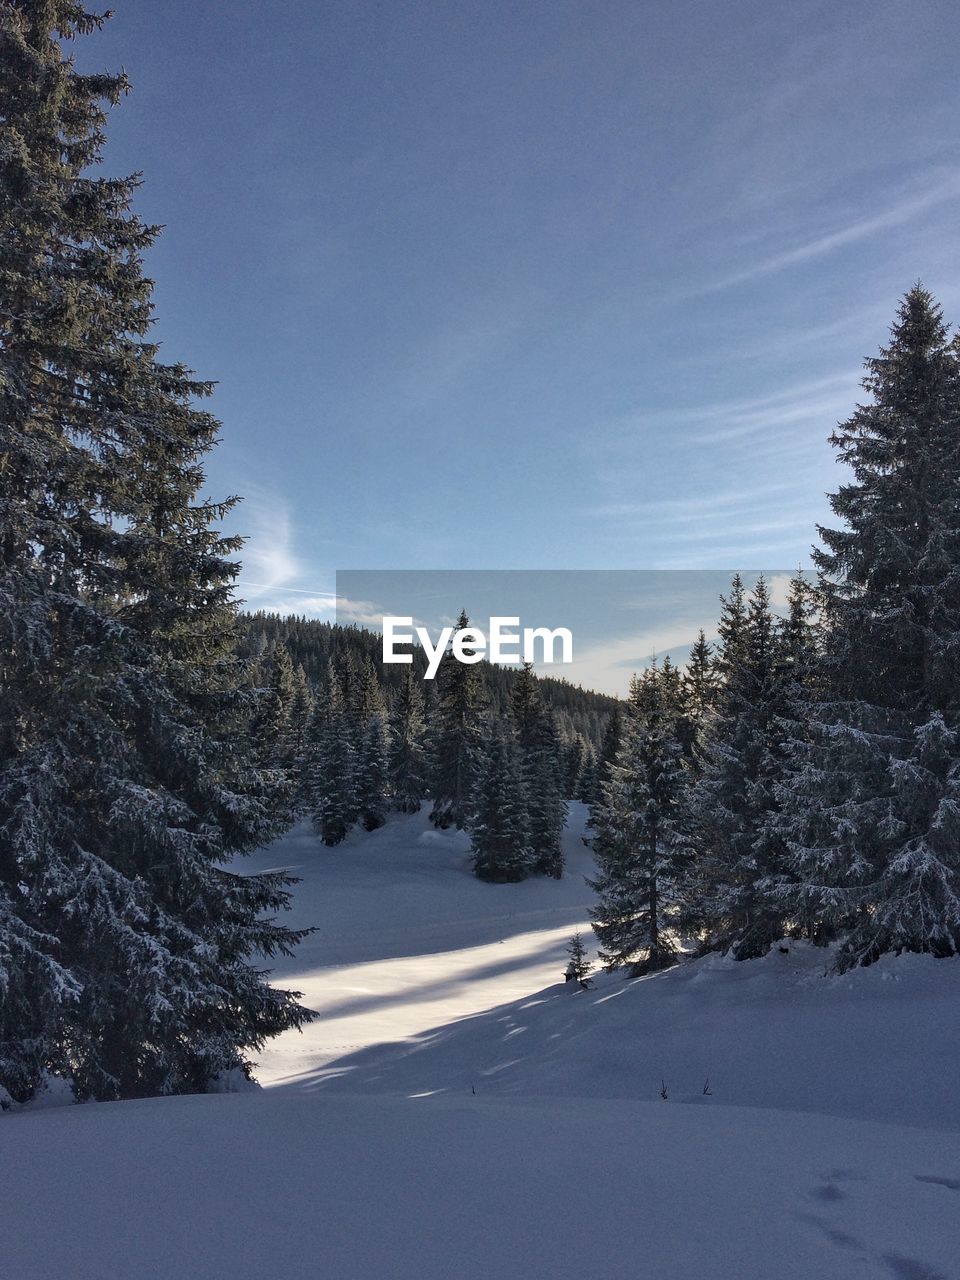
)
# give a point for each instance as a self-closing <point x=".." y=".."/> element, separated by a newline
<point x="828" y="1193"/>
<point x="952" y="1184"/>
<point x="911" y="1268"/>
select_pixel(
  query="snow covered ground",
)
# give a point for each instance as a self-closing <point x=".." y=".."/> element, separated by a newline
<point x="459" y="1112"/>
<point x="409" y="940"/>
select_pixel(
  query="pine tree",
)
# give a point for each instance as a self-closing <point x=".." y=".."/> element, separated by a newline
<point x="730" y="814"/>
<point x="125" y="945"/>
<point x="301" y="710"/>
<point x="574" y="757"/>
<point x="578" y="966"/>
<point x="588" y="784"/>
<point x="364" y="697"/>
<point x="331" y="765"/>
<point x="538" y="745"/>
<point x="610" y="745"/>
<point x="455" y="741"/>
<point x="700" y="679"/>
<point x="701" y="687"/>
<point x="637" y="844"/>
<point x="871" y="810"/>
<point x="371" y="776"/>
<point x="606" y="758"/>
<point x="407" y="757"/>
<point x="278" y="706"/>
<point x="731" y="628"/>
<point x="273" y="741"/>
<point x="499" y="838"/>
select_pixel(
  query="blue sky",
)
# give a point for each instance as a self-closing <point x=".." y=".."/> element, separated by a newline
<point x="519" y="285"/>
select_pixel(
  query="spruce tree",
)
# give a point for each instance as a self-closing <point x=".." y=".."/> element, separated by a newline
<point x="606" y="758"/>
<point x="456" y="737"/>
<point x="730" y="814"/>
<point x="364" y="697"/>
<point x="125" y="945"/>
<point x="538" y="746"/>
<point x="278" y="706"/>
<point x="371" y="776"/>
<point x="574" y="756"/>
<point x="872" y="810"/>
<point x="406" y="753"/>
<point x="499" y="839"/>
<point x="700" y="679"/>
<point x="331" y="781"/>
<point x="637" y="842"/>
<point x="274" y="744"/>
<point x="578" y="966"/>
<point x="301" y="710"/>
<point x="588" y="784"/>
<point x="731" y="628"/>
<point x="701" y="687"/>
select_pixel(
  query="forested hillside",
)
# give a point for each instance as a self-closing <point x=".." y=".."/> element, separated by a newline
<point x="311" y="644"/>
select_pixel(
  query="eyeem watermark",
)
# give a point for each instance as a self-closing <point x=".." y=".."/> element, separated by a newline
<point x="502" y="642"/>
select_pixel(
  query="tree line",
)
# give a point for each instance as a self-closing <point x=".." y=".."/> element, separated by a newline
<point x="802" y="777"/>
<point x="350" y="749"/>
<point x="312" y="644"/>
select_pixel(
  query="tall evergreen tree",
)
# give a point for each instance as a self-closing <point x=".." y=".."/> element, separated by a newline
<point x="273" y="736"/>
<point x="574" y="756"/>
<point x="538" y="746"/>
<point x="364" y="697"/>
<point x="606" y="757"/>
<point x="125" y="947"/>
<point x="588" y="791"/>
<point x="499" y="838"/>
<point x="729" y="815"/>
<point x="456" y="737"/>
<point x="873" y="806"/>
<point x="700" y="694"/>
<point x="406" y="753"/>
<point x="331" y="782"/>
<point x="301" y="710"/>
<point x="371" y="775"/>
<point x="277" y="742"/>
<point x="700" y="679"/>
<point x="637" y="846"/>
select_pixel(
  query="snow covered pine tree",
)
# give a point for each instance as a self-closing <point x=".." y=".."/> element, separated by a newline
<point x="636" y="843"/>
<point x="499" y="837"/>
<point x="538" y="745"/>
<point x="331" y="768"/>
<point x="872" y="809"/>
<point x="406" y="758"/>
<point x="729" y="815"/>
<point x="455" y="738"/>
<point x="125" y="945"/>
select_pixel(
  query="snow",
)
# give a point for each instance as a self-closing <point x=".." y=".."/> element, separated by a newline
<point x="409" y="939"/>
<point x="460" y="1112"/>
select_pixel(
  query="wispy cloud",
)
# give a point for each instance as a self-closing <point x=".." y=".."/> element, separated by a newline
<point x="270" y="567"/>
<point x="821" y="400"/>
<point x="899" y="214"/>
<point x="268" y="558"/>
<point x="671" y="511"/>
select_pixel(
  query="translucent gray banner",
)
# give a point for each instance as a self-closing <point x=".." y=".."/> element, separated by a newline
<point x="619" y="620"/>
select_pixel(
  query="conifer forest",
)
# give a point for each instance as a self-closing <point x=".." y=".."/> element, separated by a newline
<point x="433" y="936"/>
